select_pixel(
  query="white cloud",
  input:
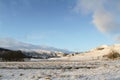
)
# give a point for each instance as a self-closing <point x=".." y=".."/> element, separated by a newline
<point x="104" y="14"/>
<point x="12" y="43"/>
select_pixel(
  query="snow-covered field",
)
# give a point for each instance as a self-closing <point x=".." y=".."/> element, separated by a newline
<point x="61" y="70"/>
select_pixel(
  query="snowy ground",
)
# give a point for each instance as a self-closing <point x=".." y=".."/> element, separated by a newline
<point x="61" y="70"/>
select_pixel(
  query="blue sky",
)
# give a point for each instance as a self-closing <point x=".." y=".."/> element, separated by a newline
<point x="54" y="23"/>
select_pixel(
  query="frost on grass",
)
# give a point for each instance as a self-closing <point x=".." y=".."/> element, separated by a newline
<point x="103" y="70"/>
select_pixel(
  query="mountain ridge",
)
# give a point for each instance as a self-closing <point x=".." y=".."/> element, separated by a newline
<point x="17" y="45"/>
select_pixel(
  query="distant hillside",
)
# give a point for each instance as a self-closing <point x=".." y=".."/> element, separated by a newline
<point x="3" y="49"/>
<point x="43" y="54"/>
<point x="16" y="45"/>
<point x="12" y="55"/>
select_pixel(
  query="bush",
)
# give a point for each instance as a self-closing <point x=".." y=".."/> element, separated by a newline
<point x="112" y="55"/>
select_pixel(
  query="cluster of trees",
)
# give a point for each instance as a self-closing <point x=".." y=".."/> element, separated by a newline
<point x="9" y="55"/>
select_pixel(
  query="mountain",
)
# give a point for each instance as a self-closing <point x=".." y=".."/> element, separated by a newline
<point x="16" y="45"/>
<point x="33" y="51"/>
<point x="17" y="55"/>
<point x="43" y="54"/>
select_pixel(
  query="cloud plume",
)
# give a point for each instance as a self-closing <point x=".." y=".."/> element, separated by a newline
<point x="104" y="13"/>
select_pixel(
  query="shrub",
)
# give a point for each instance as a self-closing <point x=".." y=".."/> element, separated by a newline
<point x="112" y="55"/>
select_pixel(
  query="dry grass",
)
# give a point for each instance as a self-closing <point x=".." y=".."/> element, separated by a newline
<point x="112" y="55"/>
<point x="99" y="48"/>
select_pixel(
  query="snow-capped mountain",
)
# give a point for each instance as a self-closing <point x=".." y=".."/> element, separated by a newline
<point x="31" y="50"/>
<point x="16" y="45"/>
<point x="8" y="54"/>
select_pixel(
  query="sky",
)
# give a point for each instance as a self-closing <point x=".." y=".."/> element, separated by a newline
<point x="76" y="25"/>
